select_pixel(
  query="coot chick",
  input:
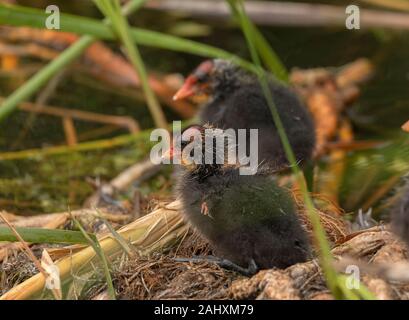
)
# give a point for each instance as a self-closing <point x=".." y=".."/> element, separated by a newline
<point x="237" y="101"/>
<point x="249" y="220"/>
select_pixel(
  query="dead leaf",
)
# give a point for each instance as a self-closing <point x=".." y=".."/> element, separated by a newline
<point x="53" y="281"/>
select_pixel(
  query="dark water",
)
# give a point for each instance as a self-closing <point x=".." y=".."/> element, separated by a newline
<point x="380" y="112"/>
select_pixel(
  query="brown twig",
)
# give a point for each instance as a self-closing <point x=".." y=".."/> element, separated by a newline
<point x="121" y="121"/>
<point x="285" y="13"/>
<point x="28" y="50"/>
<point x="390" y="4"/>
<point x="136" y="172"/>
<point x="98" y="60"/>
<point x="133" y="173"/>
<point x="69" y="130"/>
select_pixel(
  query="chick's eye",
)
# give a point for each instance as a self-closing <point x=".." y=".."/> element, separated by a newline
<point x="202" y="77"/>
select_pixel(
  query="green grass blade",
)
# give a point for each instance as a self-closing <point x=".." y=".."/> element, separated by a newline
<point x="319" y="233"/>
<point x="38" y="235"/>
<point x="269" y="56"/>
<point x="93" y="242"/>
<point x="365" y="294"/>
<point x="40" y="78"/>
<point x="112" y="10"/>
<point x="354" y="294"/>
<point x="271" y="60"/>
<point x="127" y="247"/>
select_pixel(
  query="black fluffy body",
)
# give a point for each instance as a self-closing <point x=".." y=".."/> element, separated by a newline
<point x="238" y="102"/>
<point x="250" y="218"/>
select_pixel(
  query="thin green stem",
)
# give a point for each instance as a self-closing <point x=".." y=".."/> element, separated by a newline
<point x="266" y="52"/>
<point x="40" y="78"/>
<point x="111" y="9"/>
<point x="100" y="253"/>
<point x="335" y="282"/>
<point x="323" y="245"/>
<point x="130" y="251"/>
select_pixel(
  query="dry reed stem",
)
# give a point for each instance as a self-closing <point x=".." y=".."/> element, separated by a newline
<point x="152" y="232"/>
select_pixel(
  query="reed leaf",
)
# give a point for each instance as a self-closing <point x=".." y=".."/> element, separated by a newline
<point x="39" y="235"/>
<point x="270" y="58"/>
<point x="93" y="242"/>
<point x="112" y="11"/>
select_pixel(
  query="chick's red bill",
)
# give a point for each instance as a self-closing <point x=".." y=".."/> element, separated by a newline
<point x="405" y="127"/>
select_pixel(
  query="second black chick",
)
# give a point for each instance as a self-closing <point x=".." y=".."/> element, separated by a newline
<point x="248" y="219"/>
<point x="237" y="101"/>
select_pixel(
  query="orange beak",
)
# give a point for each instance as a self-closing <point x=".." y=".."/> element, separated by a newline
<point x="193" y="86"/>
<point x="405" y="127"/>
<point x="187" y="90"/>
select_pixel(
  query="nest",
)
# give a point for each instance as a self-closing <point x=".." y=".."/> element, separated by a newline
<point x="156" y="273"/>
<point x="161" y="276"/>
<point x="330" y="217"/>
<point x="375" y="251"/>
<point x="15" y="269"/>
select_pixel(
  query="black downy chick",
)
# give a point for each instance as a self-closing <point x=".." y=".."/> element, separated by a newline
<point x="248" y="219"/>
<point x="237" y="101"/>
